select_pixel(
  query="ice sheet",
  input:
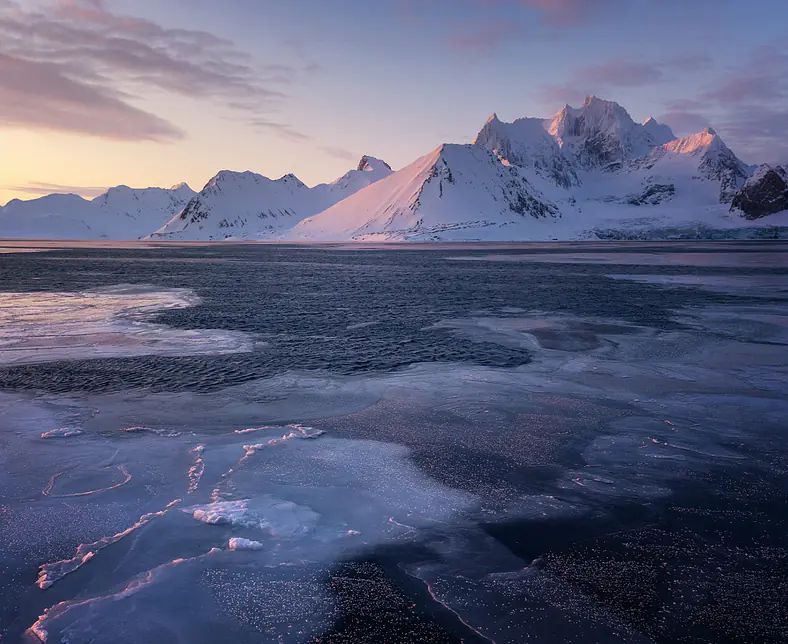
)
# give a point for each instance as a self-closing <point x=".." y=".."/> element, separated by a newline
<point x="103" y="323"/>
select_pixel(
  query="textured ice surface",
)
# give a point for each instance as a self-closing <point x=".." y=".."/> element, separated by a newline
<point x="103" y="323"/>
<point x="625" y="485"/>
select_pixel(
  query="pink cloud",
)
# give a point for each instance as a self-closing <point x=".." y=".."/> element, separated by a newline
<point x="41" y="189"/>
<point x="743" y="87"/>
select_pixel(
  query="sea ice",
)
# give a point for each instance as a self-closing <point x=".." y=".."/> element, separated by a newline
<point x="105" y="322"/>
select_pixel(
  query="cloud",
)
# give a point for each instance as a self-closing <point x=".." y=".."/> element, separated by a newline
<point x="608" y="77"/>
<point x="41" y="96"/>
<point x="338" y="153"/>
<point x="289" y="133"/>
<point x="75" y="66"/>
<point x="758" y="133"/>
<point x="40" y="189"/>
<point x="284" y="130"/>
<point x="749" y="105"/>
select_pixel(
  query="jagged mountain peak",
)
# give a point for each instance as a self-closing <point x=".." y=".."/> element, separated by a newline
<point x="371" y="164"/>
<point x="599" y="134"/>
<point x="660" y="133"/>
<point x="526" y="143"/>
<point x="699" y="143"/>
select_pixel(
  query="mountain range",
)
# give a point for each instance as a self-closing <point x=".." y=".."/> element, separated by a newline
<point x="586" y="173"/>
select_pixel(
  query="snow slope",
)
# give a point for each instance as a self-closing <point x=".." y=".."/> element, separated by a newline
<point x="246" y="205"/>
<point x="452" y="189"/>
<point x="120" y="213"/>
<point x="51" y="217"/>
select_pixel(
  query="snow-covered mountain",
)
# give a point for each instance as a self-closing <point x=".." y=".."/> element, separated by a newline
<point x="119" y="213"/>
<point x="584" y="173"/>
<point x="702" y="156"/>
<point x="659" y="132"/>
<point x="454" y="188"/>
<point x="246" y="205"/>
<point x="602" y="134"/>
<point x="526" y="143"/>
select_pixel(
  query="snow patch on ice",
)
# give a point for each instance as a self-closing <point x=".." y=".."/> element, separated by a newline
<point x="296" y="431"/>
<point x="275" y="517"/>
<point x="62" y="432"/>
<point x="238" y="543"/>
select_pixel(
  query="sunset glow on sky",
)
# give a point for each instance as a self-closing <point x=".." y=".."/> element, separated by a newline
<point x="151" y="92"/>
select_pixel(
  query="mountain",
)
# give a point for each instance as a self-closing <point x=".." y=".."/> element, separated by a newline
<point x="527" y="143"/>
<point x="241" y="204"/>
<point x="659" y="132"/>
<point x="455" y="188"/>
<point x="54" y="216"/>
<point x="585" y="173"/>
<point x="764" y="193"/>
<point x="246" y="205"/>
<point x="701" y="156"/>
<point x="601" y="134"/>
<point x="135" y="212"/>
<point x="368" y="171"/>
<point x="119" y="213"/>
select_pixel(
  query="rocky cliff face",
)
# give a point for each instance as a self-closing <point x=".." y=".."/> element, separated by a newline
<point x="764" y="193"/>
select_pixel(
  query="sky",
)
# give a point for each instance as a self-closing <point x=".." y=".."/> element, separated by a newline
<point x="96" y="93"/>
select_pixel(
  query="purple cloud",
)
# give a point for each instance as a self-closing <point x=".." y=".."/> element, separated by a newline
<point x="283" y="130"/>
<point x="40" y="189"/>
<point x="42" y="96"/>
<point x="744" y="87"/>
<point x="757" y="132"/>
<point x="606" y="77"/>
<point x="66" y="63"/>
<point x="338" y="153"/>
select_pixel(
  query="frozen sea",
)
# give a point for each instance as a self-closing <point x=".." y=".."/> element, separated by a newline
<point x="358" y="444"/>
